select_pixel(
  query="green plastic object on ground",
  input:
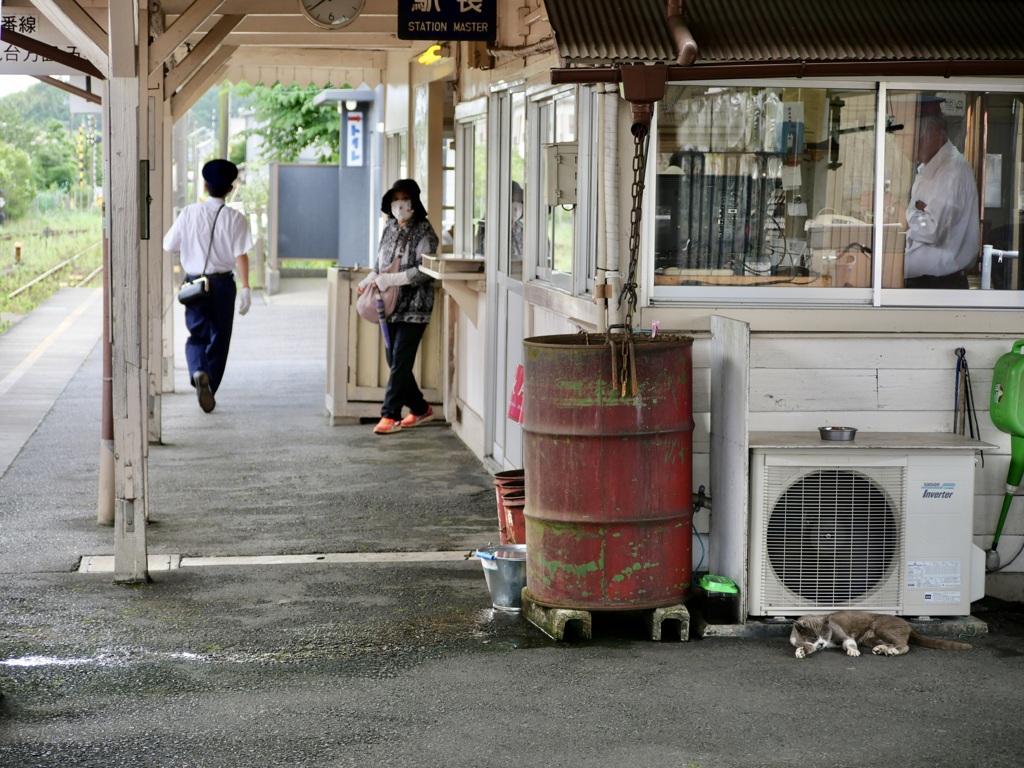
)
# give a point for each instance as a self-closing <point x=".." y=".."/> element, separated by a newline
<point x="718" y="584"/>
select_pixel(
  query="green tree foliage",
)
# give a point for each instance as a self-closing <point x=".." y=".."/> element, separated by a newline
<point x="54" y="164"/>
<point x="41" y="103"/>
<point x="288" y="123"/>
<point x="16" y="181"/>
<point x="36" y="125"/>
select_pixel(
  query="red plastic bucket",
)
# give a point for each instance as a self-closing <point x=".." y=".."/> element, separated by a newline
<point x="510" y="483"/>
<point x="513" y="526"/>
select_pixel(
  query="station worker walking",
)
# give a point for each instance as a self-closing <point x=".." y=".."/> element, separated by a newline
<point x="212" y="240"/>
<point x="407" y="236"/>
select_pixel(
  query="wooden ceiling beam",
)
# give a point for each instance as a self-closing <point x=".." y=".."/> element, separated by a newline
<point x="89" y="96"/>
<point x="276" y="8"/>
<point x="311" y="57"/>
<point x="123" y="52"/>
<point x="30" y="44"/>
<point x="209" y="74"/>
<point x="296" y="25"/>
<point x="204" y="50"/>
<point x="326" y="40"/>
<point x="78" y="27"/>
<point x="161" y="49"/>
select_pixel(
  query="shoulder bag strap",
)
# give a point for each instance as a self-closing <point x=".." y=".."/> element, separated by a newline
<point x="396" y="256"/>
<point x="210" y="244"/>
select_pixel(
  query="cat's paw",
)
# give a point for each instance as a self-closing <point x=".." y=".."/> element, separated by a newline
<point x="852" y="652"/>
<point x="801" y="653"/>
<point x="885" y="650"/>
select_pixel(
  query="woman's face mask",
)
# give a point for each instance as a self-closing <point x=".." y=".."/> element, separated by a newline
<point x="401" y="210"/>
<point x="517" y="211"/>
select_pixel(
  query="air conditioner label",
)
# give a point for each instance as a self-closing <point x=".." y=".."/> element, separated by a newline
<point x="937" y="490"/>
<point x="933" y="574"/>
<point x="942" y="597"/>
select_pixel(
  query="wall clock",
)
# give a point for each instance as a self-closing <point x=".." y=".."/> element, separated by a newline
<point x="331" y="14"/>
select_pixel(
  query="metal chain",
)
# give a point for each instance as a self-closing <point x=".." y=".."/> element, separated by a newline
<point x="641" y="135"/>
<point x="623" y="351"/>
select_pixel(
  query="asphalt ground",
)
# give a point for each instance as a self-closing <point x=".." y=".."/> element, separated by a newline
<point x="399" y="663"/>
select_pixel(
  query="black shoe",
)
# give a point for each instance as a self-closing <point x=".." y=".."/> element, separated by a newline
<point x="203" y="391"/>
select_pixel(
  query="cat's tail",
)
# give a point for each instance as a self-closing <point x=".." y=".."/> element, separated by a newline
<point x="934" y="642"/>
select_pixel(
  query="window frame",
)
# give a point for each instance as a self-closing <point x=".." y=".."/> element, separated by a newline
<point x="468" y="117"/>
<point x="830" y="297"/>
<point x="579" y="279"/>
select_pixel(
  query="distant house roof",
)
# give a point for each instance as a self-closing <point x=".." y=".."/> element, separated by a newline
<point x="607" y="32"/>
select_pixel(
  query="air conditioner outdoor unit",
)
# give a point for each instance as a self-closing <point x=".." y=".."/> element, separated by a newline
<point x="843" y="528"/>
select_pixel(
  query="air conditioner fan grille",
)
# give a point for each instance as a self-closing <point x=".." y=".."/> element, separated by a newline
<point x="833" y="536"/>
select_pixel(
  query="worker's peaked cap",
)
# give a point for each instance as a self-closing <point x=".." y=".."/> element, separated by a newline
<point x="220" y="173"/>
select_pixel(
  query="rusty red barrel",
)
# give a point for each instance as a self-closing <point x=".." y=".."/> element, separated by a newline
<point x="609" y="478"/>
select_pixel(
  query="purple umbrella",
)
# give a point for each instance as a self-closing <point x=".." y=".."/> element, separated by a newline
<point x="383" y="321"/>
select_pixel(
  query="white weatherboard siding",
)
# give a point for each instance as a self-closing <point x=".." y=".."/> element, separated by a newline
<point x="874" y="383"/>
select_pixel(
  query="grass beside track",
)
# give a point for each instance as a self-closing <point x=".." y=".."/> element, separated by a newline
<point x="44" y="243"/>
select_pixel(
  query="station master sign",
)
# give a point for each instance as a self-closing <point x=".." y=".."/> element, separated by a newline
<point x="447" y="19"/>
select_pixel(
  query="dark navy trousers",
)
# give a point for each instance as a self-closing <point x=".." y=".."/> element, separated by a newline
<point x="209" y="326"/>
<point x="402" y="389"/>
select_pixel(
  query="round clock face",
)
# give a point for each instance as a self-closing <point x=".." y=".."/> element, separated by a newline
<point x="331" y="14"/>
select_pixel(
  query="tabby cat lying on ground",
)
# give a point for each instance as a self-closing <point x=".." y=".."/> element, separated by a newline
<point x="885" y="635"/>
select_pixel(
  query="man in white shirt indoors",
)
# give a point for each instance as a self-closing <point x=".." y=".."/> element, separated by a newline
<point x="212" y="240"/>
<point x="943" y="222"/>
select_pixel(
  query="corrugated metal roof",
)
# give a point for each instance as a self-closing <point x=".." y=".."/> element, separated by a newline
<point x="603" y="31"/>
<point x="760" y="31"/>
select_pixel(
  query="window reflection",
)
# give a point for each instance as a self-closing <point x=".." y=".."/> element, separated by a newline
<point x="764" y="186"/>
<point x="934" y="188"/>
<point x="517" y="170"/>
<point x="479" y="194"/>
<point x="775" y="186"/>
<point x="558" y="126"/>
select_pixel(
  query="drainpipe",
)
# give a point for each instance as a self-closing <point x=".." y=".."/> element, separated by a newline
<point x="609" y="253"/>
<point x="685" y="43"/>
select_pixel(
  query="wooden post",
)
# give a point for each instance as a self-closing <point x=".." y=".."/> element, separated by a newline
<point x="156" y="285"/>
<point x="127" y="298"/>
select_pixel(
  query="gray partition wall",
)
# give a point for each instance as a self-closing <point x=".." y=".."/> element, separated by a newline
<point x="305" y="206"/>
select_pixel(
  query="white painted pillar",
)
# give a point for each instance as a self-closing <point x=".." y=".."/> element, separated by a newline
<point x="157" y="284"/>
<point x="127" y="297"/>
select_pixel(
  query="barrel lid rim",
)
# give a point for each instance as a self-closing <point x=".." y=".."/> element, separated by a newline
<point x="563" y="340"/>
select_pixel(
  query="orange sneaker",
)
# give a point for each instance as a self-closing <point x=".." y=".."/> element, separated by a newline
<point x="386" y="426"/>
<point x="415" y="421"/>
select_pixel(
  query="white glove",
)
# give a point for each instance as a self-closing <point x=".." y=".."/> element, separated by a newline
<point x="244" y="301"/>
<point x="365" y="282"/>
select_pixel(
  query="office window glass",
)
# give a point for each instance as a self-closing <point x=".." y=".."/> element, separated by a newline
<point x="557" y="118"/>
<point x="764" y="187"/>
<point x="953" y="181"/>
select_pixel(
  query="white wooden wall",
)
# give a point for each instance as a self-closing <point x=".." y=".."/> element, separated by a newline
<point x="889" y="383"/>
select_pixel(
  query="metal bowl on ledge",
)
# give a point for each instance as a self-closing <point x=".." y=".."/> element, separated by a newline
<point x="837" y="433"/>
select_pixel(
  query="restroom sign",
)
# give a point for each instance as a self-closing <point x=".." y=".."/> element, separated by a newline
<point x="354" y="140"/>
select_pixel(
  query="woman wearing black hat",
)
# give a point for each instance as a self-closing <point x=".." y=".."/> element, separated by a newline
<point x="407" y="236"/>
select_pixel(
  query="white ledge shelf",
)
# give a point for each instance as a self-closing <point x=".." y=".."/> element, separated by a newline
<point x="461" y="278"/>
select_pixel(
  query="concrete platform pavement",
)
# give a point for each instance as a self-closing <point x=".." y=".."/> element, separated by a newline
<point x="38" y="356"/>
<point x="355" y="662"/>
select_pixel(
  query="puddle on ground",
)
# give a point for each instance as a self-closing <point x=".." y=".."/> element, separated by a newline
<point x="100" y="660"/>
